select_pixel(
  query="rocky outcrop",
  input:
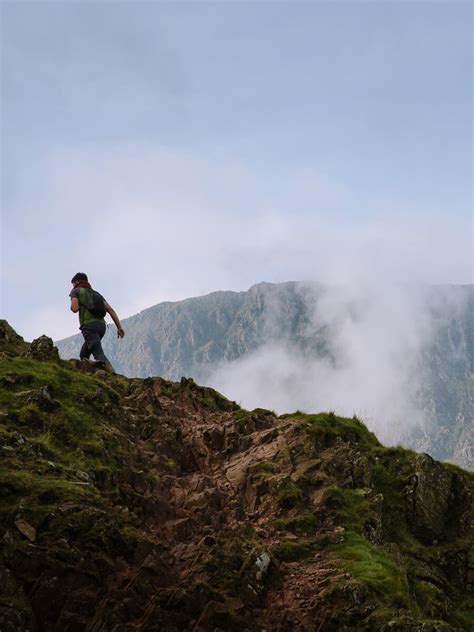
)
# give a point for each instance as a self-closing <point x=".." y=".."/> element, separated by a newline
<point x="42" y="348"/>
<point x="11" y="343"/>
<point x="144" y="504"/>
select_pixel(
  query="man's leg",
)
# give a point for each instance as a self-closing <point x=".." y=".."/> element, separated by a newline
<point x="85" y="352"/>
<point x="93" y="334"/>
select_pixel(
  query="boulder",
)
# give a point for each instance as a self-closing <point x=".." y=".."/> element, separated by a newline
<point x="42" y="348"/>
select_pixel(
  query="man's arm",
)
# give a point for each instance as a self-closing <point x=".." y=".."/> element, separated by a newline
<point x="74" y="305"/>
<point x="115" y="318"/>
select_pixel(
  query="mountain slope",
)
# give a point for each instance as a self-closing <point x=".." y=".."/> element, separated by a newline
<point x="428" y="359"/>
<point x="147" y="504"/>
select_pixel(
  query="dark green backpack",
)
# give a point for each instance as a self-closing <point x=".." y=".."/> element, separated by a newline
<point x="94" y="303"/>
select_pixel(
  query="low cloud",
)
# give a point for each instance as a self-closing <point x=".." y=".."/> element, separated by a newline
<point x="373" y="339"/>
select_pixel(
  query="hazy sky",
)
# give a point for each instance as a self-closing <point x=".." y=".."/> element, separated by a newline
<point x="170" y="149"/>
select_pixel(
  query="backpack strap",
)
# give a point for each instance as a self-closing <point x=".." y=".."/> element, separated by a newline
<point x="82" y="304"/>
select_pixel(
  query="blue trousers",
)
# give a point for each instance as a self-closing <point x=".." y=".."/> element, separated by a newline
<point x="93" y="333"/>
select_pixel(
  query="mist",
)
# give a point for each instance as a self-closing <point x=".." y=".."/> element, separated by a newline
<point x="372" y="338"/>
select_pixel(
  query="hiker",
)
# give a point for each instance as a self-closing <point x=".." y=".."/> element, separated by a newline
<point x="92" y="308"/>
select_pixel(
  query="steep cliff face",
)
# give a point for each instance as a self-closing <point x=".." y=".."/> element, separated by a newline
<point x="146" y="504"/>
<point x="195" y="336"/>
<point x="448" y="393"/>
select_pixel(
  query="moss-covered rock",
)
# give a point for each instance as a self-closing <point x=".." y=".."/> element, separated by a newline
<point x="42" y="348"/>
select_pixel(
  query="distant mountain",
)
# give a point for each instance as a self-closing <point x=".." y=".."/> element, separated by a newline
<point x="190" y="337"/>
<point x="425" y="336"/>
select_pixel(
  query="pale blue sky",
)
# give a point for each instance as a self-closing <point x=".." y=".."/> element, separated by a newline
<point x="174" y="148"/>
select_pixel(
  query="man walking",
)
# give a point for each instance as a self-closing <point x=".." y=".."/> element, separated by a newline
<point x="92" y="308"/>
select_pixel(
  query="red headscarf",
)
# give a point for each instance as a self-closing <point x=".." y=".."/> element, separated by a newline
<point x="84" y="284"/>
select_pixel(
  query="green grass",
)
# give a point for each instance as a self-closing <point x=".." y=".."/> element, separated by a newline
<point x="288" y="494"/>
<point x="35" y="483"/>
<point x="464" y="613"/>
<point x="227" y="562"/>
<point x="240" y="415"/>
<point x="374" y="567"/>
<point x="325" y="428"/>
<point x="351" y="505"/>
<point x="48" y="455"/>
<point x="264" y="467"/>
<point x="203" y="395"/>
<point x="292" y="551"/>
<point x="304" y="524"/>
<point x="388" y="482"/>
<point x="78" y="420"/>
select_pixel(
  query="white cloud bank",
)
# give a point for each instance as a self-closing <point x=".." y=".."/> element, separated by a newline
<point x="377" y="338"/>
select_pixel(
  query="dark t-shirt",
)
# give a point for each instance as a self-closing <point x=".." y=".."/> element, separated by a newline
<point x="84" y="314"/>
